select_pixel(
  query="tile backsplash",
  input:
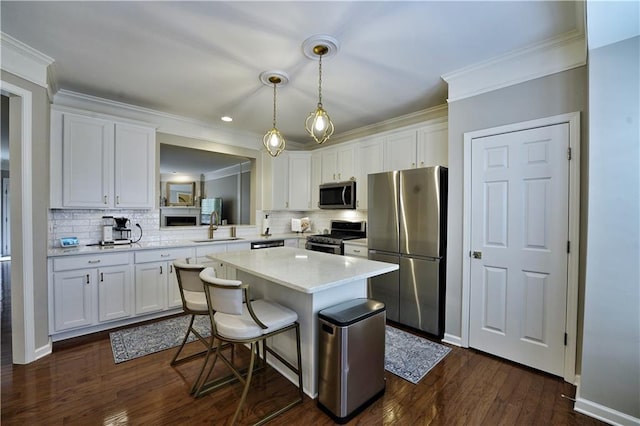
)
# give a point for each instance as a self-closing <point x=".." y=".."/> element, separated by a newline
<point x="86" y="225"/>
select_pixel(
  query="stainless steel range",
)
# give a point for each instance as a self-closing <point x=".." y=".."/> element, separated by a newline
<point x="341" y="230"/>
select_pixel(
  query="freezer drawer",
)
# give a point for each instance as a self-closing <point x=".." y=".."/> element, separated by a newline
<point x="385" y="288"/>
<point x="421" y="295"/>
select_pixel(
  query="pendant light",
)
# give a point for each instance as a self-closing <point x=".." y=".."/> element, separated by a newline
<point x="273" y="140"/>
<point x="318" y="124"/>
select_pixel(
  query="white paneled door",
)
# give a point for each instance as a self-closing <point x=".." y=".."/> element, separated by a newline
<point x="519" y="240"/>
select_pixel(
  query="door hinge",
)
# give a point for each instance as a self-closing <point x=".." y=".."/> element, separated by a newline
<point x="568" y="246"/>
<point x="565" y="339"/>
<point x="569" y="153"/>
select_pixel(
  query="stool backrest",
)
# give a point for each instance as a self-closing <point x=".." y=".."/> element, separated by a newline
<point x="188" y="275"/>
<point x="222" y="295"/>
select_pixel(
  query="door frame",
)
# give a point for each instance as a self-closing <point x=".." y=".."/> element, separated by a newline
<point x="573" y="119"/>
<point x="23" y="339"/>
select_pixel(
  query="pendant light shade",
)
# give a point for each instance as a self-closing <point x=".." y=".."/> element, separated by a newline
<point x="318" y="124"/>
<point x="273" y="140"/>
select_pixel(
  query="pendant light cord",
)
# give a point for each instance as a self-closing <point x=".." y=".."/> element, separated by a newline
<point x="274" y="105"/>
<point x="320" y="82"/>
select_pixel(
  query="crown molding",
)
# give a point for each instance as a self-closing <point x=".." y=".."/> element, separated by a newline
<point x="548" y="57"/>
<point x="23" y="60"/>
<point x="439" y="112"/>
<point x="164" y="122"/>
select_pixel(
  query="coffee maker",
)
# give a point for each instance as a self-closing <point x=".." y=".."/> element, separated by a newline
<point x="115" y="231"/>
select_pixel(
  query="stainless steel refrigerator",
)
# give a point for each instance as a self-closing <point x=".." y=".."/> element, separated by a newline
<point x="407" y="221"/>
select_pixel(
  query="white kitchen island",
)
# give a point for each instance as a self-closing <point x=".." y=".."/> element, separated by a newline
<point x="307" y="282"/>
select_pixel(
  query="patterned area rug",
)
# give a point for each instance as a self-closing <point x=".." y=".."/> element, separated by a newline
<point x="410" y="356"/>
<point x="406" y="355"/>
<point x="134" y="342"/>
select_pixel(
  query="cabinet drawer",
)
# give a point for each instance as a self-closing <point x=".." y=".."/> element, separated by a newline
<point x="89" y="261"/>
<point x="354" y="250"/>
<point x="160" y="255"/>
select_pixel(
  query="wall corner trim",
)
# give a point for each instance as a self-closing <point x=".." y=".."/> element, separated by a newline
<point x="23" y="60"/>
<point x="452" y="340"/>
<point x="551" y="56"/>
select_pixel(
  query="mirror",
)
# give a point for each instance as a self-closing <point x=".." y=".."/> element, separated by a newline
<point x="181" y="193"/>
<point x="193" y="170"/>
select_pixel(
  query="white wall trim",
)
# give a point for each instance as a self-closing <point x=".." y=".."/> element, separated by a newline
<point x="26" y="335"/>
<point x="44" y="350"/>
<point x="601" y="412"/>
<point x="452" y="340"/>
<point x="164" y="122"/>
<point x="548" y="57"/>
<point x="234" y="170"/>
<point x="573" y="119"/>
<point x="23" y="60"/>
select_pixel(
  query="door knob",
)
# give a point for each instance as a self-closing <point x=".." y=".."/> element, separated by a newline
<point x="476" y="254"/>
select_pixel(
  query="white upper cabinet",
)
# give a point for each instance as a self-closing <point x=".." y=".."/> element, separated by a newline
<point x="422" y="147"/>
<point x="97" y="162"/>
<point x="433" y="146"/>
<point x="401" y="150"/>
<point x="290" y="175"/>
<point x="371" y="159"/>
<point x="316" y="178"/>
<point x="339" y="164"/>
<point x="299" y="181"/>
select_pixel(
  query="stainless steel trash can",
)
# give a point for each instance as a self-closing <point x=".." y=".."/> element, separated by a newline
<point x="351" y="357"/>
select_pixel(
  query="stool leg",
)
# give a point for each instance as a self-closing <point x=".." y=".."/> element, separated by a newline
<point x="247" y="383"/>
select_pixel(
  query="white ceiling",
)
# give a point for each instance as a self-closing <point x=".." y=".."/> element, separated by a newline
<point x="203" y="59"/>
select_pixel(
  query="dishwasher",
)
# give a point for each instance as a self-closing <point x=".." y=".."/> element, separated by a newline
<point x="266" y="244"/>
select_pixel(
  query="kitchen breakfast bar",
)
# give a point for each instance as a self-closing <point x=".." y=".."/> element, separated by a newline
<point x="307" y="282"/>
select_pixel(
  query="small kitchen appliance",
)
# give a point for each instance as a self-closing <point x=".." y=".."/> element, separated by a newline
<point x="115" y="231"/>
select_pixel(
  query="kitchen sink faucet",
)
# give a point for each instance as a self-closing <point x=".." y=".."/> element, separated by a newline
<point x="213" y="225"/>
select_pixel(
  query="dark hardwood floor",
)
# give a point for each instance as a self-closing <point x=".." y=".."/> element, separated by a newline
<point x="79" y="384"/>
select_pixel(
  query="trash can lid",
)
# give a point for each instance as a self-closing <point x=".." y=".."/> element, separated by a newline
<point x="350" y="312"/>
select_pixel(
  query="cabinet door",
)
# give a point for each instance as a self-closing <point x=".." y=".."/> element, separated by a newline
<point x="346" y="163"/>
<point x="316" y="179"/>
<point x="173" y="291"/>
<point x="299" y="181"/>
<point x="329" y="166"/>
<point x="73" y="298"/>
<point x="401" y="151"/>
<point x="151" y="287"/>
<point x="114" y="293"/>
<point x="280" y="180"/>
<point x="135" y="166"/>
<point x="371" y="161"/>
<point x="433" y="146"/>
<point x="87" y="152"/>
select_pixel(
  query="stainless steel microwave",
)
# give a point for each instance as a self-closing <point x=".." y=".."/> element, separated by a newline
<point x="340" y="195"/>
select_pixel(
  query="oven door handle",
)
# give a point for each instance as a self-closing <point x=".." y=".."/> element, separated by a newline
<point x="324" y="245"/>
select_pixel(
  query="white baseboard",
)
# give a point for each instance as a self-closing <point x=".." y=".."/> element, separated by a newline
<point x="452" y="340"/>
<point x="601" y="412"/>
<point x="44" y="350"/>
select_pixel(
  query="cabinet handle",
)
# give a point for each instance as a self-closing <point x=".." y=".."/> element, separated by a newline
<point x="117" y="199"/>
<point x="171" y="269"/>
<point x="356" y="251"/>
<point x="422" y="163"/>
<point x="358" y="203"/>
<point x="165" y="255"/>
<point x="413" y="164"/>
<point x="105" y="199"/>
<point x="160" y="270"/>
<point x="88" y="282"/>
<point x="101" y="277"/>
<point x="94" y="261"/>
<point x="286" y="204"/>
<point x="334" y="176"/>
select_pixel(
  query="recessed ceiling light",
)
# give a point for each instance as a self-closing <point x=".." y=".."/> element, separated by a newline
<point x="226" y="118"/>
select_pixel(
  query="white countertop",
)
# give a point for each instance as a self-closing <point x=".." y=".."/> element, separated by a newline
<point x="303" y="270"/>
<point x="93" y="249"/>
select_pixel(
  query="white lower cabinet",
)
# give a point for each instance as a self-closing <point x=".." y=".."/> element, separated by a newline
<point x="90" y="289"/>
<point x="156" y="284"/>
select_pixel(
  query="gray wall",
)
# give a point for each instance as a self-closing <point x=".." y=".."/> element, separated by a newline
<point x="543" y="97"/>
<point x="40" y="180"/>
<point x="227" y="189"/>
<point x="611" y="346"/>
